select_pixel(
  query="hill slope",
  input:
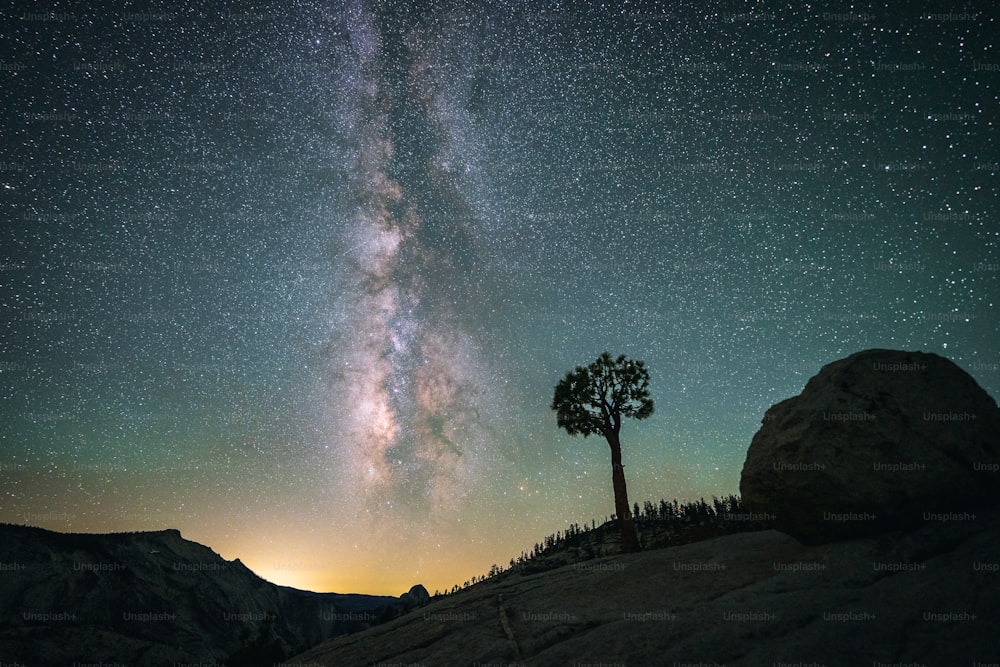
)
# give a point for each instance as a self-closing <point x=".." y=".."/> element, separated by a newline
<point x="928" y="596"/>
<point x="155" y="598"/>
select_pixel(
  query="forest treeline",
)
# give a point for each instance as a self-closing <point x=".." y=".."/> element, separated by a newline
<point x="660" y="524"/>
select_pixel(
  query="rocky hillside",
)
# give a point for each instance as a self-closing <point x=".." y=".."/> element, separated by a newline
<point x="928" y="596"/>
<point x="154" y="599"/>
<point x="659" y="525"/>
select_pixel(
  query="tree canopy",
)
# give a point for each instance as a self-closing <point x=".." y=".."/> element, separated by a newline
<point x="593" y="399"/>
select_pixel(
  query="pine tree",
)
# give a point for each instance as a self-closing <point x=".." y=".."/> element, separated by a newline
<point x="594" y="399"/>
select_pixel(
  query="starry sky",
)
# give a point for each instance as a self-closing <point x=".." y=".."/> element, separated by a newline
<point x="299" y="279"/>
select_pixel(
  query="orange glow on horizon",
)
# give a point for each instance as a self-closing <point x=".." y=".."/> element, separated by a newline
<point x="366" y="579"/>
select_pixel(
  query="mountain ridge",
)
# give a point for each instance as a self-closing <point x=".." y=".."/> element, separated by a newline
<point x="154" y="597"/>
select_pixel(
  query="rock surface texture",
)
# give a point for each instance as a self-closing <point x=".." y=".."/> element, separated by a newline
<point x="928" y="596"/>
<point x="879" y="440"/>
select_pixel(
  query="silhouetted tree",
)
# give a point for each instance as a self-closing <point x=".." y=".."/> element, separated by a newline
<point x="593" y="399"/>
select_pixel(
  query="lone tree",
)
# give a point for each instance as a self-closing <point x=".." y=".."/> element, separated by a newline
<point x="594" y="399"/>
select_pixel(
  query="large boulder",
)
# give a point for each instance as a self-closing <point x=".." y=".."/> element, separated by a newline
<point x="880" y="440"/>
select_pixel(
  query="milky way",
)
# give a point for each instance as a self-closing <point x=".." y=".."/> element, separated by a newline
<point x="406" y="377"/>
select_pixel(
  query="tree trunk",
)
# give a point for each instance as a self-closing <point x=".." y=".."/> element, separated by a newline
<point x="630" y="539"/>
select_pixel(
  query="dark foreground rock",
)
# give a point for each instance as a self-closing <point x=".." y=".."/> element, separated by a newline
<point x="157" y="599"/>
<point x="929" y="596"/>
<point x="873" y="442"/>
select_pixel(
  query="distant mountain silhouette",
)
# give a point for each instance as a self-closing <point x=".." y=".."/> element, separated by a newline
<point x="154" y="598"/>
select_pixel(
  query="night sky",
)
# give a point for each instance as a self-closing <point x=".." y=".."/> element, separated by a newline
<point x="299" y="279"/>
